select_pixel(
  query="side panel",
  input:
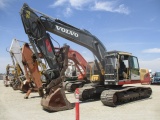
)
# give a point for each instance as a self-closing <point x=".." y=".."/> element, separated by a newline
<point x="145" y="76"/>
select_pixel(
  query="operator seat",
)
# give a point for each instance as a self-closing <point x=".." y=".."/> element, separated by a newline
<point x="122" y="69"/>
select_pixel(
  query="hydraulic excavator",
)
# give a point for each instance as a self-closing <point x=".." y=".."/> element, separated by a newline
<point x="14" y="81"/>
<point x="112" y="74"/>
<point x="10" y="69"/>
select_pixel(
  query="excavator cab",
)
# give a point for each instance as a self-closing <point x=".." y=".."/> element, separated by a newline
<point x="121" y="66"/>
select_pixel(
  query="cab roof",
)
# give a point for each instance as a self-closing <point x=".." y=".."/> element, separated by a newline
<point x="119" y="52"/>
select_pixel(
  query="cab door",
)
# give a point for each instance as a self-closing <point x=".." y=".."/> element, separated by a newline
<point x="134" y="68"/>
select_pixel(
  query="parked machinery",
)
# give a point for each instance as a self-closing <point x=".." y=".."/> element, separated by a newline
<point x="15" y="81"/>
<point x="20" y="81"/>
<point x="111" y="75"/>
<point x="28" y="77"/>
<point x="78" y="64"/>
<point x="10" y="72"/>
<point x="16" y="56"/>
<point x="156" y="78"/>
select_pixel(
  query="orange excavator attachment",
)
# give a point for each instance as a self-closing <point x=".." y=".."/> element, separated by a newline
<point x="31" y="64"/>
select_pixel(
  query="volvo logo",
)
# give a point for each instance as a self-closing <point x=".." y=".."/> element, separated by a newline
<point x="67" y="31"/>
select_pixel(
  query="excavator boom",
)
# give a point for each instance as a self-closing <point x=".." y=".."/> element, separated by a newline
<point x="37" y="25"/>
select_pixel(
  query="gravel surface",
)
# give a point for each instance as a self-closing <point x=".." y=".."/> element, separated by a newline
<point x="14" y="107"/>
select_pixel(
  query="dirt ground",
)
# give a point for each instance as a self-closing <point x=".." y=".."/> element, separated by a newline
<point x="13" y="106"/>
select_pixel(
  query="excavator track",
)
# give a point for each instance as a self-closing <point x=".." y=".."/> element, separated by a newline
<point x="90" y="92"/>
<point x="113" y="98"/>
<point x="71" y="86"/>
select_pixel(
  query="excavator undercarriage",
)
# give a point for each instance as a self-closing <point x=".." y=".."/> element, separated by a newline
<point x="113" y="96"/>
<point x="123" y="95"/>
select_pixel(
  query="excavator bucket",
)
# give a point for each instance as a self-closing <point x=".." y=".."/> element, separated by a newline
<point x="56" y="101"/>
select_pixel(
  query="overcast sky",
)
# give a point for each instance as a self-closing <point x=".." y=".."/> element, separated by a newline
<point x="126" y="25"/>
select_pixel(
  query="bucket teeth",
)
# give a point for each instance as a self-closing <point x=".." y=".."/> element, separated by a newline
<point x="56" y="101"/>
